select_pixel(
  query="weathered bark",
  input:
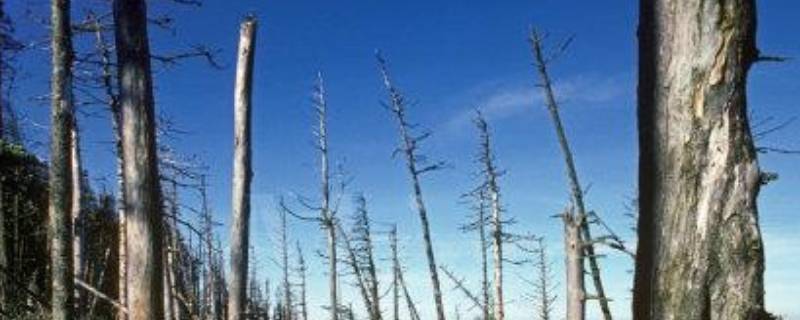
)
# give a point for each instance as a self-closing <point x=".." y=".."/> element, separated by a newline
<point x="574" y="255"/>
<point x="363" y="233"/>
<point x="572" y="173"/>
<point x="142" y="192"/>
<point x="358" y="273"/>
<point x="409" y="146"/>
<point x="60" y="205"/>
<point x="242" y="172"/>
<point x="700" y="253"/>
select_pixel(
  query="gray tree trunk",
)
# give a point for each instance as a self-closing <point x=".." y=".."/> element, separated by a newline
<point x="242" y="172"/>
<point x="395" y="274"/>
<point x="700" y="254"/>
<point x="574" y="254"/>
<point x="60" y="206"/>
<point x="572" y="173"/>
<point x="78" y="223"/>
<point x="142" y="192"/>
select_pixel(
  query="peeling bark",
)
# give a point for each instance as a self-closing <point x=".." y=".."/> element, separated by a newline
<point x="700" y="254"/>
<point x="142" y="192"/>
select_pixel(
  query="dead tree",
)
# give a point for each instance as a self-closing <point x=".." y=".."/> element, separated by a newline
<point x="287" y="285"/>
<point x="461" y="286"/>
<point x="60" y="175"/>
<point x="543" y="286"/>
<point x="358" y="272"/>
<point x="700" y="253"/>
<point x="327" y="215"/>
<point x="574" y="255"/>
<point x="242" y="172"/>
<point x="142" y="198"/>
<point x="364" y="248"/>
<point x="76" y="213"/>
<point x="409" y="146"/>
<point x="541" y="60"/>
<point x="492" y="191"/>
<point x="301" y="270"/>
<point x="479" y="225"/>
<point x="395" y="274"/>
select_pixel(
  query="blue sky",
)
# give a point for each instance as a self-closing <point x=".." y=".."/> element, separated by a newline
<point x="449" y="57"/>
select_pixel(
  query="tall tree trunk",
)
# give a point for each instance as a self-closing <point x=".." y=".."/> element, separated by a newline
<point x="409" y="149"/>
<point x="700" y="254"/>
<point x="574" y="253"/>
<point x="485" y="308"/>
<point x="301" y="268"/>
<point x="327" y="216"/>
<point x="572" y="173"/>
<point x="489" y="170"/>
<point x="60" y="221"/>
<point x="78" y="223"/>
<point x="371" y="274"/>
<point x="142" y="192"/>
<point x="242" y="172"/>
<point x="287" y="286"/>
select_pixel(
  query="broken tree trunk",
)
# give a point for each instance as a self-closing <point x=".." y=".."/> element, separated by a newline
<point x="142" y="192"/>
<point x="574" y="254"/>
<point x="700" y="253"/>
<point x="242" y="173"/>
<point x="60" y="175"/>
<point x="575" y="187"/>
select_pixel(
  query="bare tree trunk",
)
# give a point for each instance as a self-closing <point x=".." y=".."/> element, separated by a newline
<point x="78" y="223"/>
<point x="287" y="286"/>
<point x="574" y="253"/>
<point x="170" y="275"/>
<point x="575" y="186"/>
<point x="395" y="274"/>
<point x="485" y="308"/>
<point x="60" y="222"/>
<point x="242" y="172"/>
<point x="543" y="285"/>
<point x="142" y="192"/>
<point x="489" y="170"/>
<point x="700" y="253"/>
<point x="363" y="233"/>
<point x="301" y="268"/>
<point x="327" y="216"/>
<point x="357" y="272"/>
<point x="409" y="149"/>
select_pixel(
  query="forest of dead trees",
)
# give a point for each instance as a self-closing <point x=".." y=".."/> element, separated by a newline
<point x="68" y="251"/>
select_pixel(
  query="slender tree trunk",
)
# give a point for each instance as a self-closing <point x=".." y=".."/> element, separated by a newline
<point x="142" y="191"/>
<point x="409" y="149"/>
<point x="357" y="272"/>
<point x="242" y="172"/>
<point x="574" y="253"/>
<point x="700" y="253"/>
<point x="371" y="275"/>
<point x="395" y="274"/>
<point x="485" y="308"/>
<point x="301" y="268"/>
<point x="287" y="286"/>
<point x="60" y="224"/>
<point x="572" y="173"/>
<point x="78" y="223"/>
<point x="326" y="214"/>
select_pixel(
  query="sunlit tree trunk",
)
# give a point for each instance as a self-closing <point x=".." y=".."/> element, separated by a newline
<point x="142" y="194"/>
<point x="700" y="254"/>
<point x="242" y="173"/>
<point x="60" y="174"/>
<point x="78" y="223"/>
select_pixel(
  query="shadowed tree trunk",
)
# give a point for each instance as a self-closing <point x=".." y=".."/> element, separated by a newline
<point x="60" y="206"/>
<point x="242" y="172"/>
<point x="142" y="194"/>
<point x="700" y="254"/>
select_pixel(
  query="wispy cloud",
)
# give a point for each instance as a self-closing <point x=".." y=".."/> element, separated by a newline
<point x="500" y="101"/>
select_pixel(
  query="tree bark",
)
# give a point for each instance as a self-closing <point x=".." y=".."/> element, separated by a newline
<point x="395" y="274"/>
<point x="574" y="253"/>
<point x="142" y="192"/>
<point x="700" y="254"/>
<point x="242" y="172"/>
<point x="78" y="223"/>
<point x="60" y="205"/>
